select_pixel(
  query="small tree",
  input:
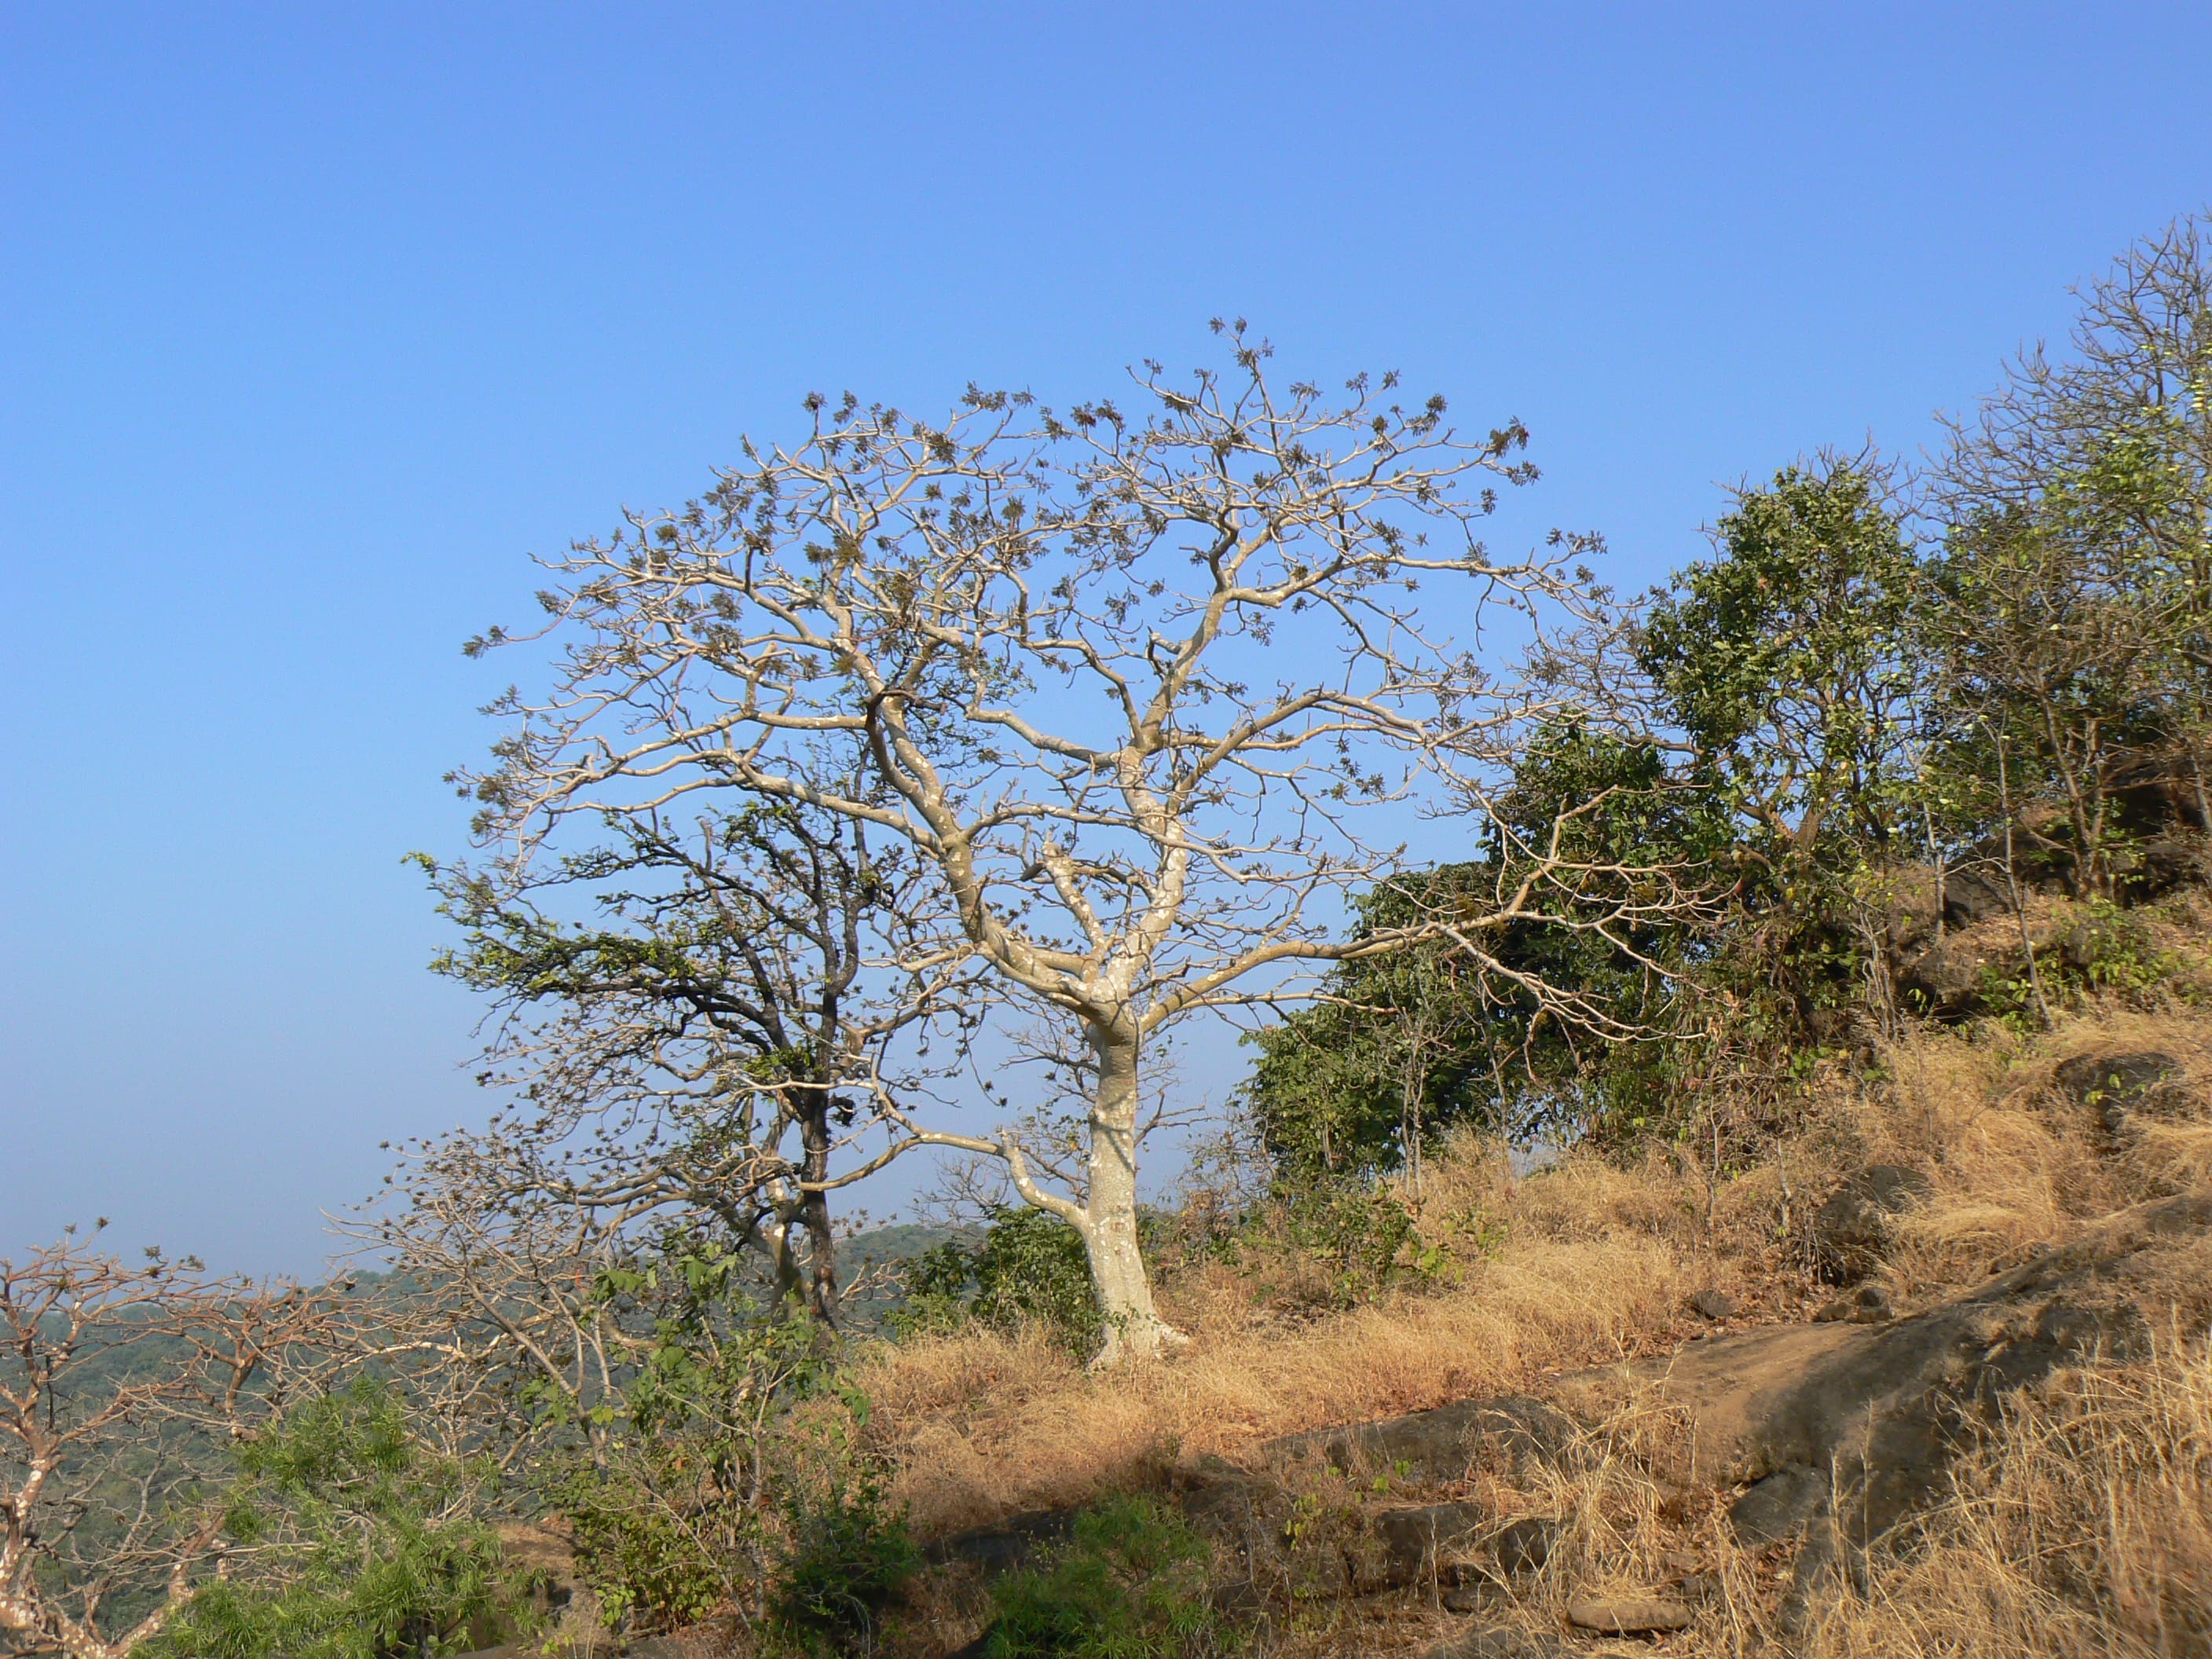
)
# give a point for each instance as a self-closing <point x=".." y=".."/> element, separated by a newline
<point x="2076" y="617"/>
<point x="123" y="1389"/>
<point x="669" y="1046"/>
<point x="1129" y="689"/>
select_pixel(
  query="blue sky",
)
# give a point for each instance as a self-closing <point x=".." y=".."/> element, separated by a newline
<point x="315" y="322"/>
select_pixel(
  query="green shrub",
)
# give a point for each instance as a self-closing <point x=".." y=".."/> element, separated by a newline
<point x="847" y="1553"/>
<point x="1355" y="1227"/>
<point x="1030" y="1269"/>
<point x="659" y="1539"/>
<point x="355" y="1542"/>
<point x="672" y="1517"/>
<point x="1130" y="1584"/>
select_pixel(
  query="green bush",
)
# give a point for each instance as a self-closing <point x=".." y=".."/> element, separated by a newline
<point x="354" y="1541"/>
<point x="1130" y="1584"/>
<point x="671" y="1517"/>
<point x="1030" y="1269"/>
<point x="659" y="1540"/>
<point x="1355" y="1227"/>
<point x="846" y="1555"/>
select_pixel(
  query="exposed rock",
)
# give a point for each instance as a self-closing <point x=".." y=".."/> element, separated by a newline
<point x="1885" y="1406"/>
<point x="1245" y="1604"/>
<point x="1223" y="1499"/>
<point x="1835" y="1431"/>
<point x="1713" y="1304"/>
<point x="1700" y="1589"/>
<point x="2159" y="865"/>
<point x="1915" y="906"/>
<point x="1441" y="1444"/>
<point x="1523" y="1547"/>
<point x="1851" y="1231"/>
<point x="2115" y="1085"/>
<point x="1411" y="1539"/>
<point x="1005" y="1546"/>
<point x="1870" y="1305"/>
<point x="1943" y="982"/>
<point x="979" y="1646"/>
<point x="1242" y="1599"/>
<point x="1776" y="1507"/>
<point x="1628" y="1615"/>
<point x="1974" y="895"/>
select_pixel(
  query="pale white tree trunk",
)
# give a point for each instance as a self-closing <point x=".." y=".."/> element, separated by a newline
<point x="1133" y="1326"/>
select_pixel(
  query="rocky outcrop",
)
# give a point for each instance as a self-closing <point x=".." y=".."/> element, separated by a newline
<point x="1843" y="1429"/>
<point x="1439" y="1445"/>
<point x="1852" y="1231"/>
<point x="1843" y="1433"/>
<point x="2116" y="1085"/>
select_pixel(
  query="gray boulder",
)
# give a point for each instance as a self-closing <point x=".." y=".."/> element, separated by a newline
<point x="1851" y="1233"/>
<point x="2116" y="1085"/>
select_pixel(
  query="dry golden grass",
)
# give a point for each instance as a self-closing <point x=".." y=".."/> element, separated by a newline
<point x="1583" y="1263"/>
<point x="2082" y="1529"/>
<point x="2085" y="1529"/>
<point x="2014" y="1166"/>
<point x="986" y="1425"/>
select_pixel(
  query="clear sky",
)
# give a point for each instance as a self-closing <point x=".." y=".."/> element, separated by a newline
<point x="316" y="321"/>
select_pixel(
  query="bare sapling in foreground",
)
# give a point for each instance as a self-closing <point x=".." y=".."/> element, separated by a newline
<point x="121" y="1387"/>
<point x="1142" y="693"/>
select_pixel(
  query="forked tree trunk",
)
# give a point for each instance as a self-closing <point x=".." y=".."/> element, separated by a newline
<point x="1134" y="1327"/>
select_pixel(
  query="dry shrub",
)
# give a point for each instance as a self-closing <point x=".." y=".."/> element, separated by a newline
<point x="2083" y="1528"/>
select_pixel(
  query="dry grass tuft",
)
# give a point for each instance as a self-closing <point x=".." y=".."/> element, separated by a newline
<point x="2084" y="1529"/>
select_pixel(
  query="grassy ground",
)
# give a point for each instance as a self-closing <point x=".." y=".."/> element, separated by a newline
<point x="2085" y="1527"/>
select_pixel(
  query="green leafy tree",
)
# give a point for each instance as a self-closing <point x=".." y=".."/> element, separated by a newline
<point x="1400" y="1048"/>
<point x="678" y="1005"/>
<point x="1788" y="661"/>
<point x="672" y="1497"/>
<point x="1790" y="665"/>
<point x="2074" y="621"/>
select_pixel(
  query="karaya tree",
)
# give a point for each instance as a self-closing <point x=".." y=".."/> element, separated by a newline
<point x="1129" y="687"/>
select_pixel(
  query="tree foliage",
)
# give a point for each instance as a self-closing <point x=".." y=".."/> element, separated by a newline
<point x="356" y="1541"/>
